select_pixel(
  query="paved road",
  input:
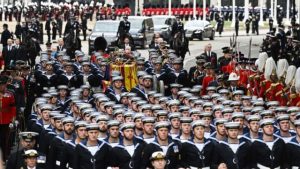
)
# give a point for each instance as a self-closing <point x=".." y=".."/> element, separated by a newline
<point x="197" y="47"/>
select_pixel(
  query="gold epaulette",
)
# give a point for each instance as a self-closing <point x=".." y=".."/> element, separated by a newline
<point x="274" y="84"/>
<point x="256" y="77"/>
<point x="251" y="77"/>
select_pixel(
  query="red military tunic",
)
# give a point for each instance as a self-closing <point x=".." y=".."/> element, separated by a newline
<point x="7" y="108"/>
<point x="206" y="80"/>
<point x="244" y="75"/>
<point x="265" y="87"/>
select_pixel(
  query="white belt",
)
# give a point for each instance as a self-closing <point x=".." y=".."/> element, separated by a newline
<point x="264" y="167"/>
<point x="295" y="167"/>
<point x="191" y="167"/>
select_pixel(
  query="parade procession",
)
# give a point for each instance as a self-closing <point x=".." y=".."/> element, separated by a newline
<point x="148" y="84"/>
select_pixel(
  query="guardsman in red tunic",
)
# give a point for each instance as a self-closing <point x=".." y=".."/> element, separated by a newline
<point x="7" y="115"/>
<point x="210" y="76"/>
<point x="243" y="72"/>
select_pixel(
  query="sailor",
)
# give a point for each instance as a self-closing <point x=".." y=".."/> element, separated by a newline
<point x="268" y="151"/>
<point x="236" y="153"/>
<point x="92" y="153"/>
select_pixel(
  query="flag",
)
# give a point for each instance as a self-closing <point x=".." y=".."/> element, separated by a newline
<point x="128" y="71"/>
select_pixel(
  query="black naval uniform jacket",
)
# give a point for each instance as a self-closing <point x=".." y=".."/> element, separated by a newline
<point x="293" y="153"/>
<point x="56" y="155"/>
<point x="241" y="159"/>
<point x="173" y="154"/>
<point x="83" y="159"/>
<point x="191" y="156"/>
<point x="122" y="159"/>
<point x="139" y="92"/>
<point x="16" y="160"/>
<point x="69" y="151"/>
<point x="263" y="155"/>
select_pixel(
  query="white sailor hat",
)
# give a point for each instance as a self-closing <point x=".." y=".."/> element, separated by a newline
<point x="215" y="95"/>
<point x="174" y="115"/>
<point x="197" y="123"/>
<point x="265" y="122"/>
<point x="281" y="109"/>
<point x="218" y="107"/>
<point x="118" y="106"/>
<point x="156" y="107"/>
<point x="227" y="110"/>
<point x="235" y="103"/>
<point x="148" y="77"/>
<point x="226" y="102"/>
<point x="175" y="85"/>
<point x="148" y="120"/>
<point x="59" y="116"/>
<point x="141" y="74"/>
<point x="237" y="115"/>
<point x="266" y="113"/>
<point x="253" y="118"/>
<point x="128" y="125"/>
<point x="205" y="114"/>
<point x="92" y="126"/>
<point x="297" y="122"/>
<point x="272" y="104"/>
<point x="138" y="116"/>
<point x="220" y="121"/>
<point x="112" y="123"/>
<point x="128" y="114"/>
<point x="161" y="113"/>
<point x="157" y="95"/>
<point x="146" y="107"/>
<point x="247" y="109"/>
<point x="232" y="125"/>
<point x="118" y="111"/>
<point x="46" y="107"/>
<point x="194" y="111"/>
<point x="62" y="87"/>
<point x="162" y="124"/>
<point x="208" y="104"/>
<point x="117" y="78"/>
<point x="68" y="120"/>
<point x="211" y="88"/>
<point x="94" y="114"/>
<point x="282" y="117"/>
<point x="79" y="124"/>
<point x="223" y="91"/>
<point x="195" y="90"/>
<point x="258" y="103"/>
<point x="258" y="109"/>
<point x="109" y="104"/>
<point x="163" y="99"/>
<point x="184" y="108"/>
<point x="186" y="119"/>
<point x="102" y="117"/>
<point x="238" y="92"/>
<point x="198" y="102"/>
<point x="187" y="89"/>
<point x="293" y="109"/>
<point x="173" y="103"/>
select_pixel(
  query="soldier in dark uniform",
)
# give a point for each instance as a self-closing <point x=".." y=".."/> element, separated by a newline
<point x="253" y="24"/>
<point x="271" y="22"/>
<point x="54" y="29"/>
<point x="1" y="14"/>
<point x="236" y="26"/>
<point x="269" y="150"/>
<point x="92" y="153"/>
<point x="247" y="24"/>
<point x="220" y="25"/>
<point x="197" y="73"/>
<point x="5" y="35"/>
<point x="115" y="90"/>
<point x="129" y="151"/>
<point x="123" y="29"/>
<point x="293" y="149"/>
<point x="163" y="142"/>
<point x="59" y="22"/>
<point x="198" y="151"/>
<point x="84" y="26"/>
<point x="178" y="26"/>
<point x="56" y="155"/>
<point x="224" y="60"/>
<point x="28" y="141"/>
<point x="236" y="153"/>
<point x="48" y="29"/>
<point x="31" y="159"/>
